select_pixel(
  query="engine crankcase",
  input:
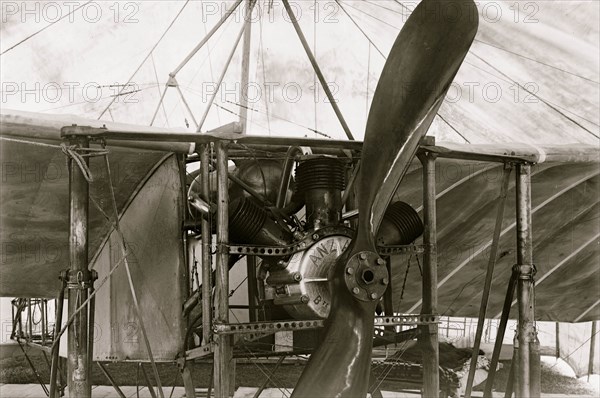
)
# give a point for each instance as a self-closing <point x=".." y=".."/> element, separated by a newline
<point x="302" y="287"/>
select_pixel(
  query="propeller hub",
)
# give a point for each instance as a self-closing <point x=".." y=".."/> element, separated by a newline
<point x="364" y="276"/>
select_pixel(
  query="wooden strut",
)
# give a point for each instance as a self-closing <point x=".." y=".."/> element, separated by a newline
<point x="214" y="94"/>
<point x="428" y="339"/>
<point x="223" y="351"/>
<point x="527" y="376"/>
<point x="488" y="278"/>
<point x="206" y="251"/>
<point x="317" y="69"/>
<point x="189" y="57"/>
<point x="246" y="65"/>
<point x="78" y="278"/>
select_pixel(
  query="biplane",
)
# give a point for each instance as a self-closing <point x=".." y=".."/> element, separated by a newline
<point x="143" y="250"/>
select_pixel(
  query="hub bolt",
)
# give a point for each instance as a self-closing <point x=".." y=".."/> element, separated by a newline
<point x="355" y="290"/>
<point x="349" y="270"/>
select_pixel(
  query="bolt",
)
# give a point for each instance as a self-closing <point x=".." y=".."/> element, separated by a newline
<point x="385" y="281"/>
<point x="362" y="256"/>
<point x="304" y="299"/>
<point x="380" y="261"/>
<point x="349" y="271"/>
<point x="315" y="236"/>
<point x="373" y="296"/>
<point x="355" y="290"/>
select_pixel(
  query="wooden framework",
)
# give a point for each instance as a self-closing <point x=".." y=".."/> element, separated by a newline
<point x="218" y="338"/>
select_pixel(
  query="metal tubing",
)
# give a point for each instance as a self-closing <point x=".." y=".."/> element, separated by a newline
<point x="429" y="333"/>
<point x="286" y="175"/>
<point x="223" y="360"/>
<point x="525" y="281"/>
<point x="488" y="278"/>
<point x="79" y="380"/>
<point x="317" y="69"/>
<point x="510" y="292"/>
<point x="227" y="62"/>
<point x="57" y="326"/>
<point x="206" y="251"/>
<point x="111" y="380"/>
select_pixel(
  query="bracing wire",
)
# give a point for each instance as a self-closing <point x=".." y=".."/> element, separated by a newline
<point x="148" y="56"/>
<point x="44" y="28"/>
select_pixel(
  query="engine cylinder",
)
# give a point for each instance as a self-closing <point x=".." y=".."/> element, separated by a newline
<point x="250" y="223"/>
<point x="401" y="225"/>
<point x="321" y="180"/>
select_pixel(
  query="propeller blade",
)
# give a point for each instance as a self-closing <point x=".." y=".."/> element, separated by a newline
<point x="419" y="70"/>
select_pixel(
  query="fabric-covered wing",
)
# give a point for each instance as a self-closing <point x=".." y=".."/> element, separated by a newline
<point x="566" y="233"/>
<point x="34" y="209"/>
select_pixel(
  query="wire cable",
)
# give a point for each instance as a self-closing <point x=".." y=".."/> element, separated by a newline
<point x="147" y="56"/>
<point x="43" y="29"/>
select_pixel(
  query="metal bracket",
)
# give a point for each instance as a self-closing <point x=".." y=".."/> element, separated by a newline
<point x="199" y="352"/>
<point x="525" y="271"/>
<point x="279" y="251"/>
<point x="266" y="327"/>
<point x="406" y="320"/>
<point x="77" y="281"/>
<point x="75" y="130"/>
<point x="366" y="276"/>
<point x="256" y="328"/>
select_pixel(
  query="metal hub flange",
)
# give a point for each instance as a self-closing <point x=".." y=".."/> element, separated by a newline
<point x="366" y="276"/>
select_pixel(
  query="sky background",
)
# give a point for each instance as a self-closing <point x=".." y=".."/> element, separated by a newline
<point x="531" y="76"/>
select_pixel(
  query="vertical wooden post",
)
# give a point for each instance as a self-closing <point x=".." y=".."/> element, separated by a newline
<point x="79" y="375"/>
<point x="429" y="333"/>
<point x="246" y="66"/>
<point x="526" y="269"/>
<point x="206" y="250"/>
<point x="592" y="350"/>
<point x="223" y="362"/>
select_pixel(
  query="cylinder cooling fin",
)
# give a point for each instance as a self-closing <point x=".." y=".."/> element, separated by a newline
<point x="401" y="225"/>
<point x="246" y="219"/>
<point x="321" y="173"/>
<point x="321" y="180"/>
<point x="251" y="223"/>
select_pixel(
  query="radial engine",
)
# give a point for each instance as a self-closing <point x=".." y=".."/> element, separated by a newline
<point x="306" y="232"/>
